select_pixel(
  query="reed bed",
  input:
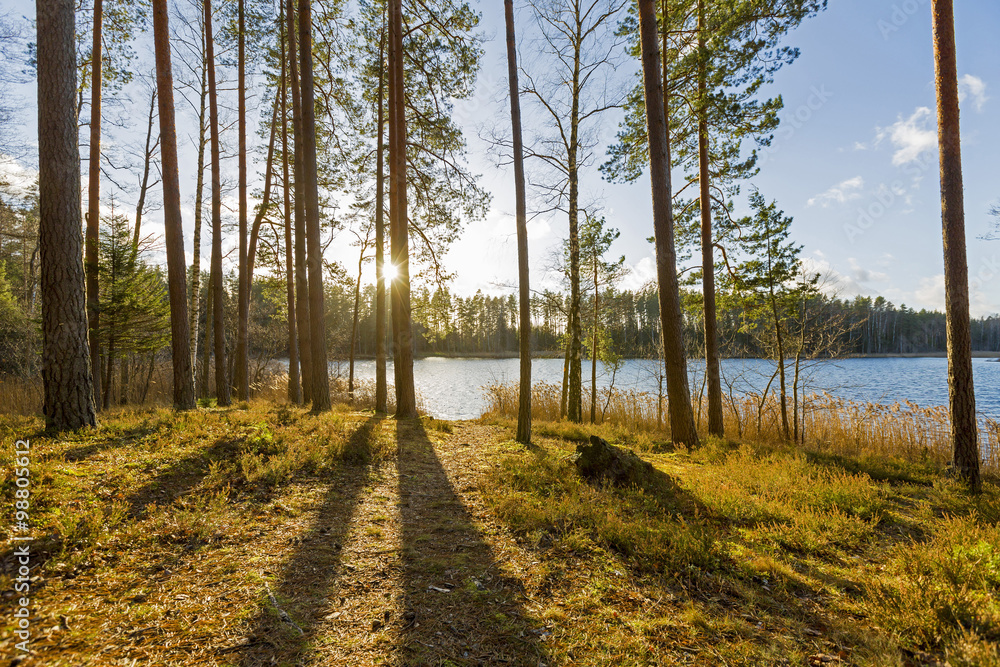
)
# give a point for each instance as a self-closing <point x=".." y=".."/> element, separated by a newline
<point x="826" y="423"/>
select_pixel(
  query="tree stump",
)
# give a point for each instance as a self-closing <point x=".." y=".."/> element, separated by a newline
<point x="600" y="461"/>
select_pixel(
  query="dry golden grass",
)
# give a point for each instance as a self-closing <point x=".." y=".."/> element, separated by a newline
<point x="831" y="425"/>
<point x="757" y="555"/>
<point x="21" y="396"/>
<point x="264" y="534"/>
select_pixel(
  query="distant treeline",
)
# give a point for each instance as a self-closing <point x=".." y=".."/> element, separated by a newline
<point x="449" y="324"/>
<point x="445" y="323"/>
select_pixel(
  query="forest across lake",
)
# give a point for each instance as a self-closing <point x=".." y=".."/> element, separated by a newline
<point x="453" y="388"/>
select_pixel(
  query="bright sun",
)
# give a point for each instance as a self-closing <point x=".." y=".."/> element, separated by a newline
<point x="389" y="271"/>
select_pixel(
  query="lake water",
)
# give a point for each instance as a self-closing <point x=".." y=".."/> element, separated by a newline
<point x="453" y="388"/>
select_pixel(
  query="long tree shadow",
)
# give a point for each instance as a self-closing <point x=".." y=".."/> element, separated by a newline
<point x="113" y="438"/>
<point x="183" y="474"/>
<point x="459" y="606"/>
<point x="291" y="612"/>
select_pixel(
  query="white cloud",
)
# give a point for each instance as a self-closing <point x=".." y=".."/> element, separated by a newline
<point x="640" y="275"/>
<point x="860" y="146"/>
<point x="911" y="137"/>
<point x="840" y="193"/>
<point x="832" y="282"/>
<point x="19" y="179"/>
<point x="538" y="229"/>
<point x="930" y="294"/>
<point x="862" y="274"/>
<point x="974" y="87"/>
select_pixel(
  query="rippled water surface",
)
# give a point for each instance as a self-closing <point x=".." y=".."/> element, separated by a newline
<point x="453" y="388"/>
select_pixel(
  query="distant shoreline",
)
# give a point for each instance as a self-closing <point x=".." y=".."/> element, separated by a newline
<point x="930" y="355"/>
<point x="558" y="354"/>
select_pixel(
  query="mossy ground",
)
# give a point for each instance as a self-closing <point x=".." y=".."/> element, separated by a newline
<point x="266" y="535"/>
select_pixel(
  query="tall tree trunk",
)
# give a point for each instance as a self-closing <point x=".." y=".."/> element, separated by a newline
<point x="795" y="379"/>
<point x="961" y="392"/>
<point x="66" y="371"/>
<point x="354" y="325"/>
<point x="222" y="388"/>
<point x="195" y="308"/>
<point x="381" y="381"/>
<point x="780" y="340"/>
<point x="575" y="406"/>
<point x="593" y="351"/>
<point x="94" y="200"/>
<point x="524" y="329"/>
<point x="241" y="372"/>
<point x="314" y="263"/>
<point x="107" y="376"/>
<point x="301" y="275"/>
<point x="406" y="401"/>
<point x="682" y="426"/>
<point x="564" y="401"/>
<point x="206" y="354"/>
<point x="123" y="381"/>
<point x="173" y="229"/>
<point x="795" y="397"/>
<point x="712" y="368"/>
<point x="294" y="386"/>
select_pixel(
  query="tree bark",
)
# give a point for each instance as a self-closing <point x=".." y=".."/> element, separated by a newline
<point x="317" y="324"/>
<point x="575" y="404"/>
<point x="94" y="200"/>
<point x="564" y="399"/>
<point x="173" y="229"/>
<point x="354" y="325"/>
<point x="712" y="367"/>
<point x="406" y="402"/>
<point x="381" y="381"/>
<point x="961" y="392"/>
<point x="301" y="275"/>
<point x="66" y="371"/>
<point x="222" y="388"/>
<point x="198" y="205"/>
<point x="206" y="354"/>
<point x="294" y="386"/>
<point x="682" y="426"/>
<point x="524" y="328"/>
<point x="780" y="341"/>
<point x="593" y="351"/>
<point x="241" y="372"/>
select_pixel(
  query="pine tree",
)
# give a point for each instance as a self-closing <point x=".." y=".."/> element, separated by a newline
<point x="66" y="370"/>
<point x="173" y="230"/>
<point x="768" y="282"/>
<point x="134" y="302"/>
<point x="222" y="386"/>
<point x="596" y="238"/>
<point x="961" y="391"/>
<point x="524" y="321"/>
<point x="682" y="426"/>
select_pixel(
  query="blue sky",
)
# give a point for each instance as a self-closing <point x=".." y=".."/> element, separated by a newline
<point x="854" y="162"/>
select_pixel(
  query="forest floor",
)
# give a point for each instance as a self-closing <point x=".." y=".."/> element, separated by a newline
<point x="263" y="535"/>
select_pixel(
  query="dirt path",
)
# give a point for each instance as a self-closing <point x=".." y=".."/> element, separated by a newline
<point x="402" y="566"/>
